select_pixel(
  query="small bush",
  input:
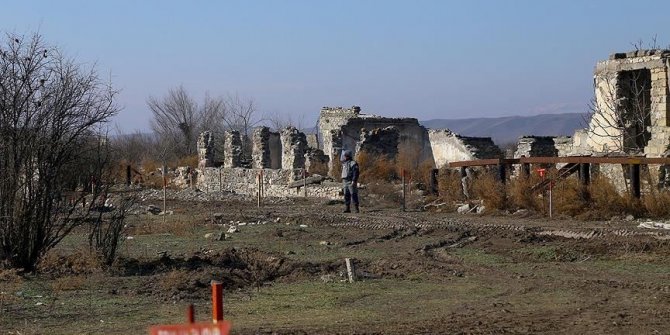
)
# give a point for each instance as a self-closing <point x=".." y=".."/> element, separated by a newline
<point x="520" y="195"/>
<point x="450" y="187"/>
<point x="569" y="197"/>
<point x="375" y="169"/>
<point x="657" y="203"/>
<point x="490" y="190"/>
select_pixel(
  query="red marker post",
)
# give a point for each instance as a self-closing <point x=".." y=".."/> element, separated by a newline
<point x="217" y="327"/>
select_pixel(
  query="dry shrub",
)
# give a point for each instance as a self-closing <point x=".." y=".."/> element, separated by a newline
<point x="568" y="197"/>
<point x="491" y="191"/>
<point x="657" y="203"/>
<point x="450" y="187"/>
<point x="604" y="197"/>
<point x="79" y="262"/>
<point x="520" y="195"/>
<point x="375" y="169"/>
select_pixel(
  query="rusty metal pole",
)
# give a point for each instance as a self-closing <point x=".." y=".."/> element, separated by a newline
<point x="217" y="301"/>
<point x="404" y="189"/>
<point x="258" y="189"/>
<point x="190" y="314"/>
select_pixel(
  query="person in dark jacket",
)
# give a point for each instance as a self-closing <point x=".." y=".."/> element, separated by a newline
<point x="349" y="181"/>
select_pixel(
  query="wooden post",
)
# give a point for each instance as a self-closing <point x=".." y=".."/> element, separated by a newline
<point x="190" y="314"/>
<point x="164" y="192"/>
<point x="634" y="170"/>
<point x="217" y="301"/>
<point x="351" y="272"/>
<point x="258" y="188"/>
<point x="433" y="181"/>
<point x="128" y="175"/>
<point x="403" y="189"/>
<point x="502" y="173"/>
<point x="304" y="181"/>
<point x="585" y="173"/>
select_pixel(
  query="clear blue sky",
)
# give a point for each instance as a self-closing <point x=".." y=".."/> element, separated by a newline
<point x="425" y="59"/>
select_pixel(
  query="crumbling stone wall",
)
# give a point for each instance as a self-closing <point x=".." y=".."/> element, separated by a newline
<point x="313" y="141"/>
<point x="344" y="126"/>
<point x="294" y="145"/>
<point x="448" y="146"/>
<point x="536" y="146"/>
<point x="232" y="149"/>
<point x="266" y="149"/>
<point x="206" y="150"/>
<point x="316" y="161"/>
<point x="380" y="141"/>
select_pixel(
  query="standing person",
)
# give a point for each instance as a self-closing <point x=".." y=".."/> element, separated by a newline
<point x="349" y="181"/>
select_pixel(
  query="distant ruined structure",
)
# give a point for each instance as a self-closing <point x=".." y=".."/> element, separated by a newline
<point x="629" y="116"/>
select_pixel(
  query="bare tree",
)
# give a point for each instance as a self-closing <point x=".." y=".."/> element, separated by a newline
<point x="620" y="115"/>
<point x="179" y="119"/>
<point x="241" y="115"/>
<point x="50" y="108"/>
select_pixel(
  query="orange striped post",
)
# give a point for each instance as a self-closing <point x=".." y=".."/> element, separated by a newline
<point x="190" y="314"/>
<point x="217" y="301"/>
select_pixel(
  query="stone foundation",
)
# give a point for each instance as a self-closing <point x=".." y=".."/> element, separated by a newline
<point x="244" y="181"/>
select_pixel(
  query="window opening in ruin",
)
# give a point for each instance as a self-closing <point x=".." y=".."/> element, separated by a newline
<point x="634" y="104"/>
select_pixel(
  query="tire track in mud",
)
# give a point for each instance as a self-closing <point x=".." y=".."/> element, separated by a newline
<point x="399" y="223"/>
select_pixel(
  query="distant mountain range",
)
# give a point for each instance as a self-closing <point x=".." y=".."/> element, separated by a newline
<point x="508" y="129"/>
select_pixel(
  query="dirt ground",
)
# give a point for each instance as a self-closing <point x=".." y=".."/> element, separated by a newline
<point x="418" y="272"/>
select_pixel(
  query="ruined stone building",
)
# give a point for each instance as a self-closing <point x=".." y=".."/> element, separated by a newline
<point x="630" y="113"/>
<point x="349" y="129"/>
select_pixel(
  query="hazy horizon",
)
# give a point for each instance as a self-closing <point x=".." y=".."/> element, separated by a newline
<point x="421" y="59"/>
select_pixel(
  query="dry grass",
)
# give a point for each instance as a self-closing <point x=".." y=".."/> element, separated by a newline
<point x="79" y="262"/>
<point x="657" y="204"/>
<point x="69" y="283"/>
<point x="191" y="161"/>
<point x="174" y="280"/>
<point x="450" y="187"/>
<point x="520" y="195"/>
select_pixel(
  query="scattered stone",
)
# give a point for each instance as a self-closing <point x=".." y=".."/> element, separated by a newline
<point x="324" y="243"/>
<point x="481" y="209"/>
<point x="329" y="278"/>
<point x="463" y="209"/>
<point x="303" y="226"/>
<point x="233" y="229"/>
<point x="155" y="210"/>
<point x="629" y="217"/>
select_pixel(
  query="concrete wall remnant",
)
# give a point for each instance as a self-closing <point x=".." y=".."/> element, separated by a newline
<point x="232" y="154"/>
<point x="448" y="146"/>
